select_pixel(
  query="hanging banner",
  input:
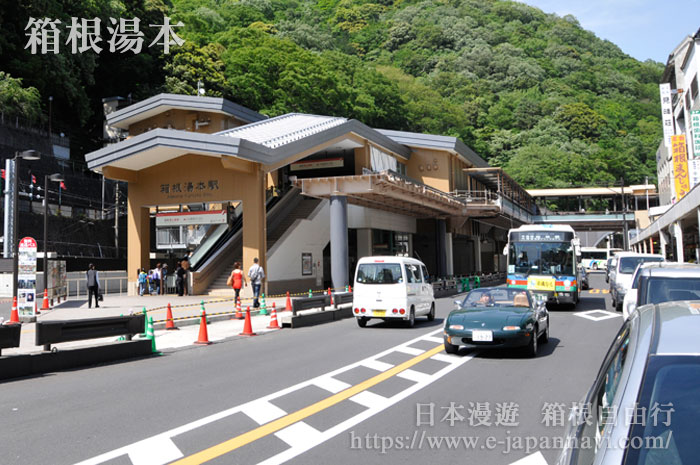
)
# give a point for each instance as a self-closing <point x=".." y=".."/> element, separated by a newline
<point x="196" y="217"/>
<point x="695" y="126"/>
<point x="666" y="112"/>
<point x="26" y="278"/>
<point x="680" y="166"/>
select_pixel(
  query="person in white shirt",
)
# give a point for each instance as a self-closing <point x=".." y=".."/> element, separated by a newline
<point x="256" y="275"/>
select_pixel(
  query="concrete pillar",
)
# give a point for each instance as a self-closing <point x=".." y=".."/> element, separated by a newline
<point x="364" y="242"/>
<point x="440" y="252"/>
<point x="662" y="243"/>
<point x="339" y="241"/>
<point x="254" y="227"/>
<point x="477" y="253"/>
<point x="651" y="245"/>
<point x="138" y="242"/>
<point x="679" y="242"/>
<point x="449" y="254"/>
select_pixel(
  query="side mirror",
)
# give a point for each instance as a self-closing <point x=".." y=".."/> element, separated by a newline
<point x="505" y="250"/>
<point x="540" y="305"/>
<point x="458" y="304"/>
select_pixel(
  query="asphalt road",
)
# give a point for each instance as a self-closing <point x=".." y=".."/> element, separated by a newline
<point x="327" y="394"/>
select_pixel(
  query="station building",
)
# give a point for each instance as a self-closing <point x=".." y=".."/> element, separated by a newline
<point x="307" y="194"/>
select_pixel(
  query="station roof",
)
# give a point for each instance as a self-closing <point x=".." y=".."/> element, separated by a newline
<point x="641" y="189"/>
<point x="432" y="141"/>
<point x="160" y="103"/>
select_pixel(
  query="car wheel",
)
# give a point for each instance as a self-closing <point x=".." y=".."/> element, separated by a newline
<point x="531" y="349"/>
<point x="451" y="348"/>
<point x="362" y="322"/>
<point x="545" y="335"/>
<point x="431" y="315"/>
<point x="411" y="322"/>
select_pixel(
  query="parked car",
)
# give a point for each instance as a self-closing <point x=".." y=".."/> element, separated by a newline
<point x="646" y="395"/>
<point x="392" y="288"/>
<point x="584" y="278"/>
<point x="662" y="282"/>
<point x="495" y="318"/>
<point x="609" y="265"/>
<point x="621" y="277"/>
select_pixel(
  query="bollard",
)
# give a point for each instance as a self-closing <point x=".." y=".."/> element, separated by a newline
<point x="263" y="306"/>
<point x="310" y="293"/>
<point x="477" y="282"/>
<point x="150" y="334"/>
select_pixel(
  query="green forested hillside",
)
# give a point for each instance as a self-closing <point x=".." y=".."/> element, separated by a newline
<point x="531" y="92"/>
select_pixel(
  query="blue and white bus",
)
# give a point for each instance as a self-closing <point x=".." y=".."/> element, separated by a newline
<point x="544" y="259"/>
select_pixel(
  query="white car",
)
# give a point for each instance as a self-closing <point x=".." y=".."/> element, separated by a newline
<point x="621" y="275"/>
<point x="662" y="282"/>
<point x="392" y="288"/>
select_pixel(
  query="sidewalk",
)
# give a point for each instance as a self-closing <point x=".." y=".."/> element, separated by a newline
<point x="186" y="312"/>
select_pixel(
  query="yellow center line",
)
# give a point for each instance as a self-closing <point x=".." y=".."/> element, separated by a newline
<point x="276" y="425"/>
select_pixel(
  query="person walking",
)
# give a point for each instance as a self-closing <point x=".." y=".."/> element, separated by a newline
<point x="186" y="267"/>
<point x="93" y="285"/>
<point x="237" y="279"/>
<point x="142" y="277"/>
<point x="157" y="274"/>
<point x="256" y="275"/>
<point x="180" y="279"/>
<point x="163" y="279"/>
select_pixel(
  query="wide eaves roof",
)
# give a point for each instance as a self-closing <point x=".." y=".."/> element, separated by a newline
<point x="433" y="141"/>
<point x="160" y="103"/>
<point x="269" y="142"/>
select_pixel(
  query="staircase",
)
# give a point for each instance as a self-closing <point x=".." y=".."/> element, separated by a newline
<point x="303" y="208"/>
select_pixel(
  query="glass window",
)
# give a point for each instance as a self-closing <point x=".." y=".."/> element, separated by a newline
<point x="412" y="274"/>
<point x="629" y="264"/>
<point x="497" y="297"/>
<point x="426" y="276"/>
<point x="541" y="257"/>
<point x="670" y="407"/>
<point x="670" y="289"/>
<point x="379" y="273"/>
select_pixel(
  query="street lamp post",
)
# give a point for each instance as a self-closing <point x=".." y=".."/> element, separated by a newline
<point x="56" y="177"/>
<point x="625" y="227"/>
<point x="24" y="155"/>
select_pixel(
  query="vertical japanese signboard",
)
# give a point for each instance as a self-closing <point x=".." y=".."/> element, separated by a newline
<point x="26" y="278"/>
<point x="666" y="112"/>
<point x="680" y="166"/>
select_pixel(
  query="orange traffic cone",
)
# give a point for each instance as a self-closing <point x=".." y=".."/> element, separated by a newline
<point x="203" y="338"/>
<point x="238" y="315"/>
<point x="288" y="307"/>
<point x="45" y="303"/>
<point x="274" y="324"/>
<point x="169" y="323"/>
<point x="349" y="288"/>
<point x="14" y="316"/>
<point x="330" y="295"/>
<point x="36" y="308"/>
<point x="247" y="326"/>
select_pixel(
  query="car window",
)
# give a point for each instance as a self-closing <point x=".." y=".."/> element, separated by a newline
<point x="426" y="276"/>
<point x="497" y="297"/>
<point x="379" y="273"/>
<point x="667" y="413"/>
<point x="670" y="289"/>
<point x="599" y="409"/>
<point x="627" y="265"/>
<point x="412" y="274"/>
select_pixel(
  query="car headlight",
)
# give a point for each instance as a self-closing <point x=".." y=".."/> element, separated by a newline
<point x="456" y="327"/>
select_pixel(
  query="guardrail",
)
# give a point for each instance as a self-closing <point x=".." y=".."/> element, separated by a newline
<point x="53" y="332"/>
<point x="307" y="303"/>
<point x="116" y="285"/>
<point x="9" y="336"/>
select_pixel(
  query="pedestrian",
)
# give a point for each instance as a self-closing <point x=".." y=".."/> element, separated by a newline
<point x="180" y="279"/>
<point x="93" y="285"/>
<point x="186" y="267"/>
<point x="142" y="278"/>
<point x="163" y="279"/>
<point x="237" y="279"/>
<point x="256" y="275"/>
<point x="157" y="273"/>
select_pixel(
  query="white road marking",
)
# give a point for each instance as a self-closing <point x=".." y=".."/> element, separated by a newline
<point x="331" y="384"/>
<point x="413" y="375"/>
<point x="369" y="399"/>
<point x="262" y="411"/>
<point x="409" y="350"/>
<point x="155" y="451"/>
<point x="377" y="365"/>
<point x="602" y="315"/>
<point x="298" y="433"/>
<point x="444" y="358"/>
<point x="534" y="459"/>
<point x="438" y="340"/>
<point x="328" y="434"/>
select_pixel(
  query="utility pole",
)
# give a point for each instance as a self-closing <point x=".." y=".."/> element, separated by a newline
<point x="625" y="238"/>
<point x="102" y="212"/>
<point x="116" y="219"/>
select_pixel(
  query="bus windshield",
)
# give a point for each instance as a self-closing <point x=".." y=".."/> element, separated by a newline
<point x="551" y="258"/>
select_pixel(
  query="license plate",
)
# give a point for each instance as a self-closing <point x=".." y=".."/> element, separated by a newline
<point x="541" y="284"/>
<point x="482" y="336"/>
<point x="378" y="312"/>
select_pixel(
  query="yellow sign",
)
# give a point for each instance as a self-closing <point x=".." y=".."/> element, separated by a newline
<point x="680" y="166"/>
<point x="541" y="284"/>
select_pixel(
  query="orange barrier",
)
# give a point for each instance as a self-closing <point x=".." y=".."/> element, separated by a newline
<point x="274" y="324"/>
<point x="169" y="322"/>
<point x="288" y="307"/>
<point x="14" y="316"/>
<point x="45" y="303"/>
<point x="238" y="315"/>
<point x="247" y="326"/>
<point x="203" y="338"/>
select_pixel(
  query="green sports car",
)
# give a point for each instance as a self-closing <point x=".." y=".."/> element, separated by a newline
<point x="497" y="318"/>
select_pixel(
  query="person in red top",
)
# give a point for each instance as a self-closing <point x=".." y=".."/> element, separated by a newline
<point x="237" y="279"/>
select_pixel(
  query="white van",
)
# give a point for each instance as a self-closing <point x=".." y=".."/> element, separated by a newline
<point x="392" y="288"/>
